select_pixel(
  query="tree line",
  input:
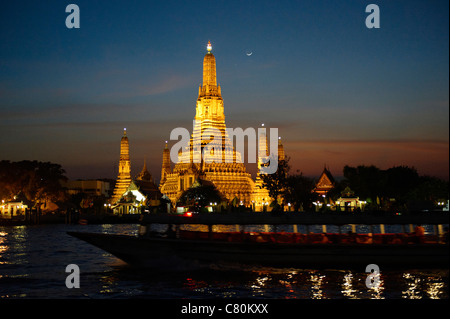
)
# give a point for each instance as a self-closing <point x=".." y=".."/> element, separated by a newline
<point x="396" y="188"/>
<point x="32" y="181"/>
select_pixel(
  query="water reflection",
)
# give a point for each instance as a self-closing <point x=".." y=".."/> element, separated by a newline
<point x="14" y="241"/>
<point x="289" y="282"/>
<point x="259" y="285"/>
<point x="3" y="246"/>
<point x="412" y="284"/>
<point x="376" y="292"/>
<point x="109" y="282"/>
<point x="328" y="284"/>
<point x="316" y="285"/>
<point x="199" y="286"/>
<point x="435" y="287"/>
<point x="347" y="287"/>
<point x="419" y="286"/>
<point x="33" y="259"/>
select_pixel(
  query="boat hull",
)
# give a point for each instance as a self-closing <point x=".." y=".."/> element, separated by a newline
<point x="177" y="253"/>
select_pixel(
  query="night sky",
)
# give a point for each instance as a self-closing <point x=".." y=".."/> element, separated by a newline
<point x="338" y="92"/>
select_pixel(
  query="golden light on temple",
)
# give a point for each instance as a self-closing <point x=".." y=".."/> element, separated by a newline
<point x="230" y="178"/>
<point x="124" y="175"/>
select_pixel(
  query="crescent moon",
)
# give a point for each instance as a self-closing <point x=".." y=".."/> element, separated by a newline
<point x="249" y="53"/>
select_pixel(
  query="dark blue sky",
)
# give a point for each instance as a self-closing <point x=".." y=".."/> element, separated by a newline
<point x="338" y="92"/>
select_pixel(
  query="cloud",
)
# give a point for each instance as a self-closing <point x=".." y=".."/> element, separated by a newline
<point x="168" y="84"/>
<point x="141" y="87"/>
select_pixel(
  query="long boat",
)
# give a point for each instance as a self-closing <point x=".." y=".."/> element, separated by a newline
<point x="181" y="248"/>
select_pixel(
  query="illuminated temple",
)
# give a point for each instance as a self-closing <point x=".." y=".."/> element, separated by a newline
<point x="124" y="176"/>
<point x="260" y="195"/>
<point x="231" y="179"/>
<point x="209" y="156"/>
<point x="131" y="194"/>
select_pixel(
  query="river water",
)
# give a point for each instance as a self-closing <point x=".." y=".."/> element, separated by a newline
<point x="33" y="262"/>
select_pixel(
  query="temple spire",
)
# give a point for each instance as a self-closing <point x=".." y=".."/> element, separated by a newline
<point x="209" y="69"/>
<point x="166" y="167"/>
<point x="145" y="164"/>
<point x="209" y="101"/>
<point x="214" y="165"/>
<point x="124" y="176"/>
<point x="144" y="175"/>
<point x="281" y="155"/>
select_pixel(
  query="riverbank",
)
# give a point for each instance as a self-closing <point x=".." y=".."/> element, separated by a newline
<point x="301" y="218"/>
<point x="94" y="219"/>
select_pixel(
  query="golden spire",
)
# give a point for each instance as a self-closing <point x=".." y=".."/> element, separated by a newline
<point x="263" y="150"/>
<point x="230" y="177"/>
<point x="124" y="176"/>
<point x="281" y="156"/>
<point x="144" y="175"/>
<point x="145" y="164"/>
<point x="124" y="147"/>
<point x="166" y="167"/>
<point x="209" y="69"/>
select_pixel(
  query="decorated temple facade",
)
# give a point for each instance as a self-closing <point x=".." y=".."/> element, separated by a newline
<point x="325" y="183"/>
<point x="141" y="194"/>
<point x="132" y="194"/>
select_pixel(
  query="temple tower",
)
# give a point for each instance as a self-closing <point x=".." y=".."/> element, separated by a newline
<point x="124" y="176"/>
<point x="144" y="175"/>
<point x="260" y="195"/>
<point x="204" y="158"/>
<point x="281" y="155"/>
<point x="166" y="166"/>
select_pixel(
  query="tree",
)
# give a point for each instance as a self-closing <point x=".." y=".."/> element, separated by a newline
<point x="299" y="192"/>
<point x="430" y="188"/>
<point x="368" y="182"/>
<point x="292" y="188"/>
<point x="200" y="196"/>
<point x="37" y="181"/>
<point x="401" y="181"/>
<point x="400" y="185"/>
<point x="276" y="183"/>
